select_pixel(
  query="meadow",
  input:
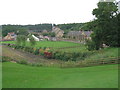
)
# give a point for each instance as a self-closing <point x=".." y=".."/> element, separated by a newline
<point x="22" y="76"/>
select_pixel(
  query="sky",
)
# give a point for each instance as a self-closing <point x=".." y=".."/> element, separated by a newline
<point x="46" y="11"/>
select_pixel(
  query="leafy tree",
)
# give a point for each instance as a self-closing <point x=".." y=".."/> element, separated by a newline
<point x="45" y="34"/>
<point x="106" y="29"/>
<point x="21" y="40"/>
<point x="52" y="34"/>
<point x="32" y="40"/>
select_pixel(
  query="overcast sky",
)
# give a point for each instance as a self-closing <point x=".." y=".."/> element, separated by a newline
<point x="46" y="11"/>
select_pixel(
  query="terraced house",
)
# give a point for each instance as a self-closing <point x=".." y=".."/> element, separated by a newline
<point x="79" y="35"/>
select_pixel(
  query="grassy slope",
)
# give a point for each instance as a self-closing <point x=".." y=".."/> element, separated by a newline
<point x="21" y="76"/>
<point x="104" y="53"/>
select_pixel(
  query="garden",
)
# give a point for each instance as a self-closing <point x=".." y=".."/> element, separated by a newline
<point x="60" y="50"/>
<point x="73" y="54"/>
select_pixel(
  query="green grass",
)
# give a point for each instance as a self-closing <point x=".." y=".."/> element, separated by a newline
<point x="54" y="44"/>
<point x="105" y="53"/>
<point x="11" y="42"/>
<point x="21" y="76"/>
<point x="81" y="48"/>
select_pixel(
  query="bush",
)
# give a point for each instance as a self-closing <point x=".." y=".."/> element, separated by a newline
<point x="90" y="45"/>
<point x="36" y="52"/>
<point x="5" y="59"/>
<point x="41" y="51"/>
<point x="57" y="55"/>
<point x="36" y="64"/>
<point x="31" y="50"/>
<point x="23" y="62"/>
<point x="48" y="54"/>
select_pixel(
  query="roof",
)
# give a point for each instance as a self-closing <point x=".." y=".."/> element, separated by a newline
<point x="11" y="33"/>
<point x="76" y="33"/>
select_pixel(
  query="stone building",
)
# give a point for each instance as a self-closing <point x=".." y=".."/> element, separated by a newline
<point x="79" y="35"/>
<point x="58" y="32"/>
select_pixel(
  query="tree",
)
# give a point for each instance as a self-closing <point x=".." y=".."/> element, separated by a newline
<point x="45" y="34"/>
<point x="52" y="34"/>
<point x="21" y="40"/>
<point x="106" y="29"/>
<point x="32" y="40"/>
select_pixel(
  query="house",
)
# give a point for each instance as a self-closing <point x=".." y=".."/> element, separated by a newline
<point x="10" y="37"/>
<point x="46" y="37"/>
<point x="35" y="38"/>
<point x="52" y="38"/>
<point x="58" y="32"/>
<point x="79" y="35"/>
<point x="44" y="31"/>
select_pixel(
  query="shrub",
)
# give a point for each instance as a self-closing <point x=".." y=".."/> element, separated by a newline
<point x="23" y="62"/>
<point x="36" y="52"/>
<point x="90" y="45"/>
<point x="41" y="51"/>
<point x="57" y="55"/>
<point x="36" y="64"/>
<point x="48" y="54"/>
<point x="31" y="50"/>
<point x="5" y="59"/>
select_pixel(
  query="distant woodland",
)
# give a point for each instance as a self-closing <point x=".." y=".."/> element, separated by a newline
<point x="23" y="29"/>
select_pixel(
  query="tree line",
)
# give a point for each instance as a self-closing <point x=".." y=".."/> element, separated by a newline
<point x="23" y="29"/>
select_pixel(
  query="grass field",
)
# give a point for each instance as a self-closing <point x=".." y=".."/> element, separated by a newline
<point x="21" y="76"/>
<point x="54" y="44"/>
<point x="81" y="48"/>
<point x="57" y="45"/>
